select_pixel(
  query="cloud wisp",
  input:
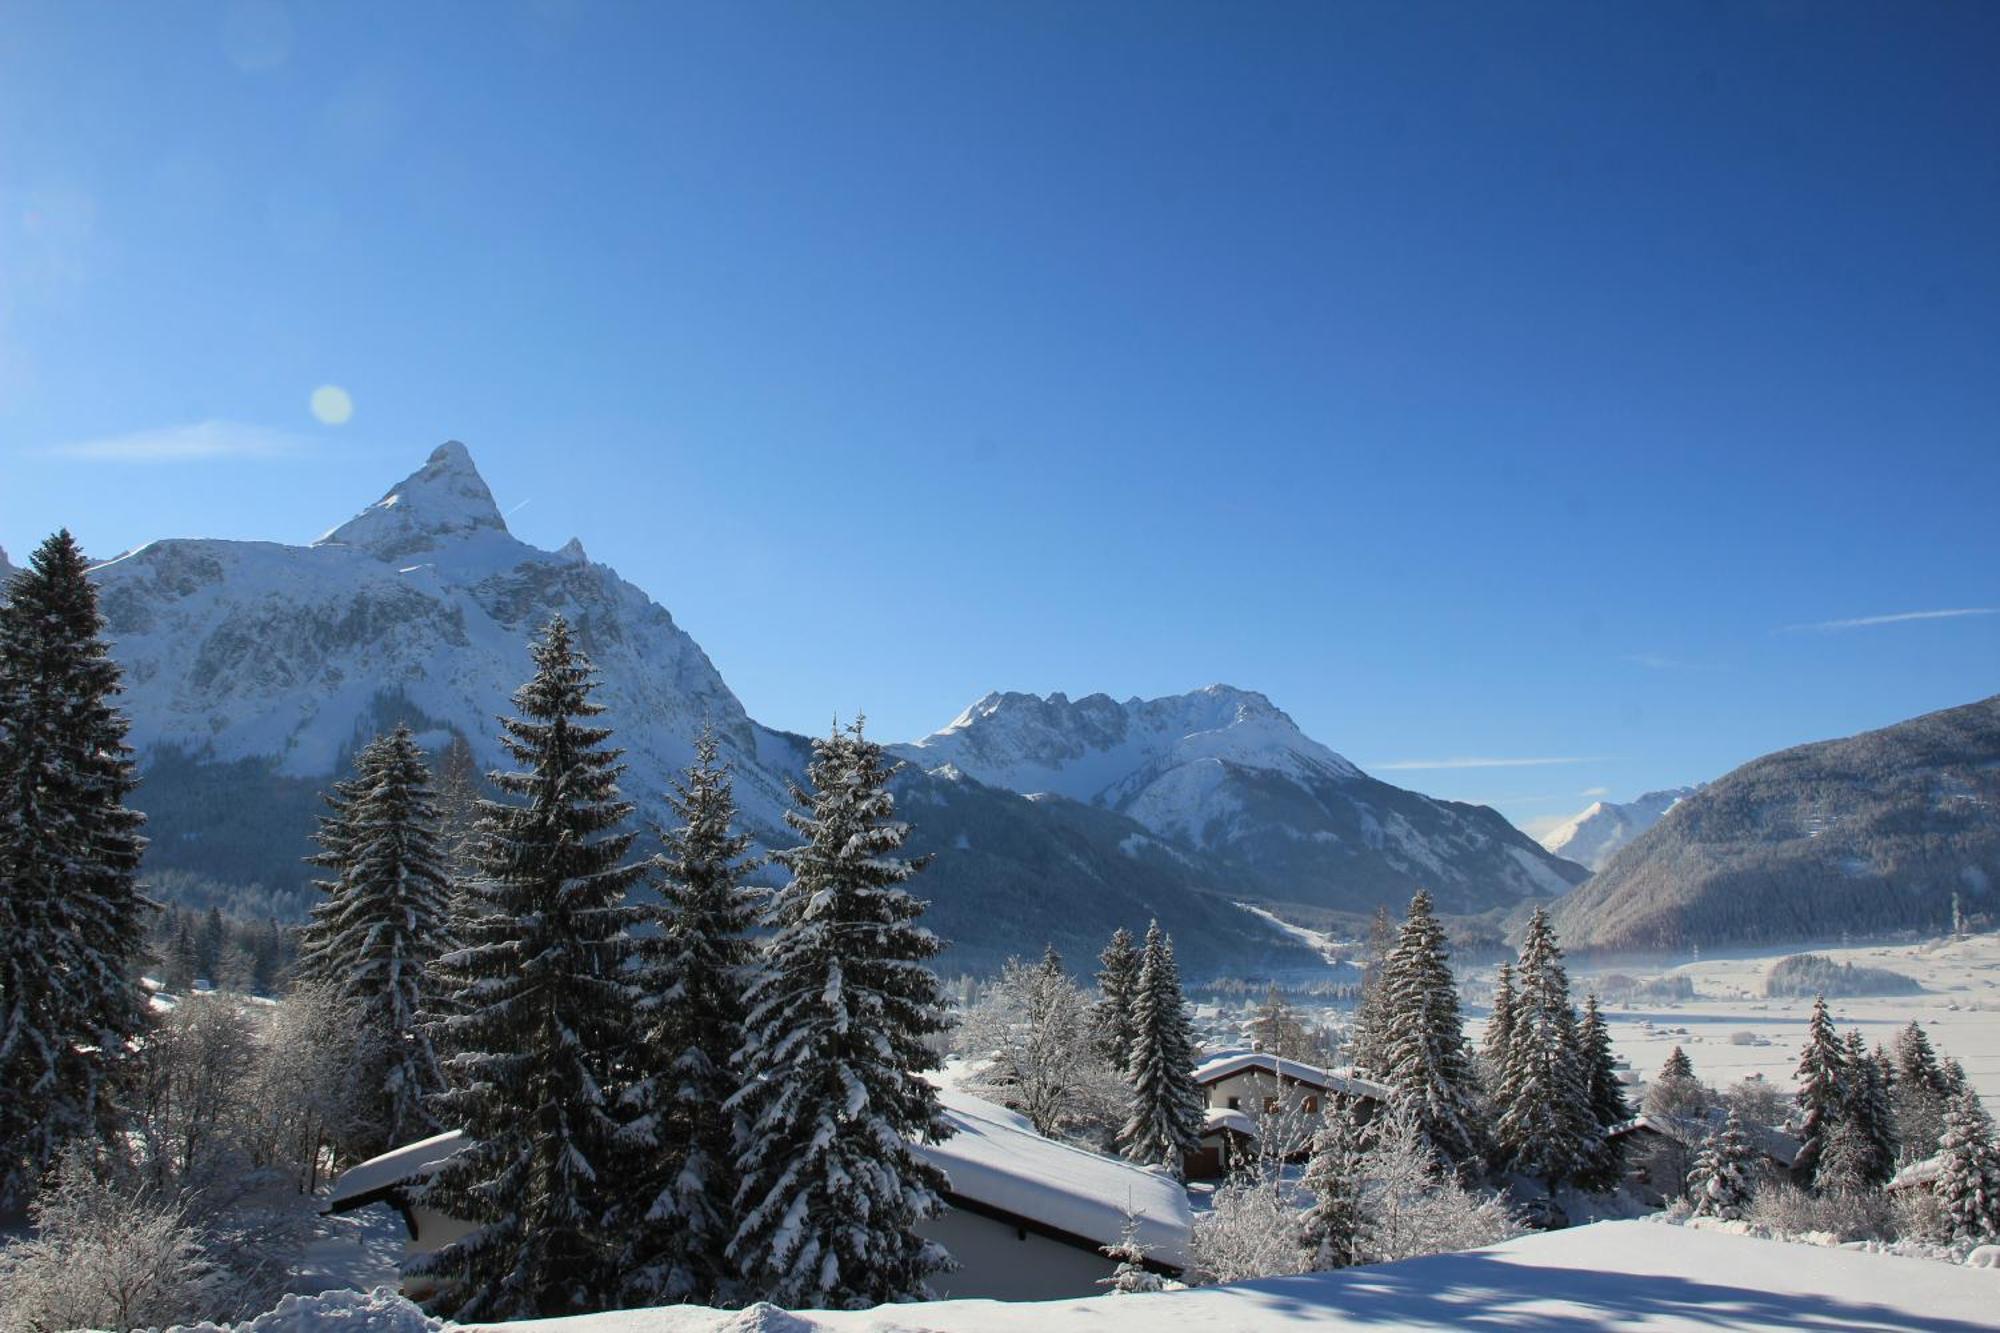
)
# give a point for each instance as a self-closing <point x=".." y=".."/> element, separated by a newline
<point x="1895" y="618"/>
<point x="1481" y="761"/>
<point x="201" y="441"/>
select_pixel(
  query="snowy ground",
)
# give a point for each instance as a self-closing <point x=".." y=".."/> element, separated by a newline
<point x="360" y="1250"/>
<point x="1615" y="1275"/>
<point x="1960" y="1009"/>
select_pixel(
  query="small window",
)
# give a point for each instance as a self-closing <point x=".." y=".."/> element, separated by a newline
<point x="1235" y="1103"/>
<point x="1312" y="1106"/>
<point x="1270" y="1106"/>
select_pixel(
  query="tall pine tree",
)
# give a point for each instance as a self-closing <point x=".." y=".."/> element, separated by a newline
<point x="839" y="1026"/>
<point x="1822" y="1094"/>
<point x="539" y="1017"/>
<point x="1371" y="1020"/>
<point x="1499" y="1026"/>
<point x="1868" y="1110"/>
<point x="1165" y="1119"/>
<point x="1420" y="1038"/>
<point x="692" y="974"/>
<point x="383" y="926"/>
<point x="72" y="920"/>
<point x="1334" y="1224"/>
<point x="1118" y="997"/>
<point x="1605" y="1160"/>
<point x="1545" y="1126"/>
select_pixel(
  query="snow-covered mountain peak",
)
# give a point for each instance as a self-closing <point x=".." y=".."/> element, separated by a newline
<point x="444" y="498"/>
<point x="1224" y="770"/>
<point x="1096" y="749"/>
<point x="1592" y="835"/>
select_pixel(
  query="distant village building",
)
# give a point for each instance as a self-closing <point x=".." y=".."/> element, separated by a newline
<point x="1026" y="1217"/>
<point x="1250" y="1094"/>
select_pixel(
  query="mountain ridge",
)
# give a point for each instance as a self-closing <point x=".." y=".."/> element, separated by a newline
<point x="1870" y="833"/>
<point x="1223" y="771"/>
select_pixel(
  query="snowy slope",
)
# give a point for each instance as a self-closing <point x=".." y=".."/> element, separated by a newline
<point x="1224" y="772"/>
<point x="1590" y="836"/>
<point x="1628" y="1276"/>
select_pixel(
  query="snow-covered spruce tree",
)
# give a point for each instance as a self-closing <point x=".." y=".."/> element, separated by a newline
<point x="840" y="1016"/>
<point x="333" y="835"/>
<point x="1420" y="1040"/>
<point x="1723" y="1180"/>
<point x="1968" y="1180"/>
<point x="1371" y="1022"/>
<point x="1869" y="1112"/>
<point x="1118" y="997"/>
<point x="1918" y="1096"/>
<point x="1605" y="1161"/>
<point x="383" y="925"/>
<point x="1821" y="1100"/>
<point x="692" y="973"/>
<point x="71" y="915"/>
<point x="1164" y="1123"/>
<point x="1332" y="1226"/>
<point x="538" y="1017"/>
<point x="1131" y="1277"/>
<point x="1499" y="1037"/>
<point x="1544" y="1123"/>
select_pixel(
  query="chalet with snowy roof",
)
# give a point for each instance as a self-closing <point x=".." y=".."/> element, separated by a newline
<point x="1659" y="1149"/>
<point x="1025" y="1216"/>
<point x="1245" y="1091"/>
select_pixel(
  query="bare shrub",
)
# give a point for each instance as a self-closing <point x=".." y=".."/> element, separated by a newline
<point x="1845" y="1214"/>
<point x="104" y="1257"/>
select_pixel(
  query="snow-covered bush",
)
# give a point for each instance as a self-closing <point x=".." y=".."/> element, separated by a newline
<point x="1918" y="1215"/>
<point x="302" y="1099"/>
<point x="1723" y="1180"/>
<point x="1131" y="1277"/>
<point x="104" y="1257"/>
<point x="1848" y="1214"/>
<point x="1410" y="1208"/>
<point x="1034" y="1040"/>
<point x="1251" y="1231"/>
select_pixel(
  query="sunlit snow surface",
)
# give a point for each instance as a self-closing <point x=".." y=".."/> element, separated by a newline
<point x="1612" y="1276"/>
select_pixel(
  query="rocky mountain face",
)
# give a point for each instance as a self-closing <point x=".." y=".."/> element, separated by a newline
<point x="1224" y="775"/>
<point x="253" y="670"/>
<point x="1874" y="833"/>
<point x="1592" y="835"/>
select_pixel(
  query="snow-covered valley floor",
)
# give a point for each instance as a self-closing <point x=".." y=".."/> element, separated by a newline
<point x="1960" y="1009"/>
<point x="1614" y="1275"/>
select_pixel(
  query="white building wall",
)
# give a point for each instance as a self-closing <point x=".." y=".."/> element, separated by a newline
<point x="1003" y="1263"/>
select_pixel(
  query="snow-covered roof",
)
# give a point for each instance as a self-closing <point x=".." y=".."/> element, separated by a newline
<point x="1229" y="1063"/>
<point x="1775" y="1144"/>
<point x="1924" y="1173"/>
<point x="995" y="1162"/>
<point x="1221" y="1117"/>
<point x="369" y="1180"/>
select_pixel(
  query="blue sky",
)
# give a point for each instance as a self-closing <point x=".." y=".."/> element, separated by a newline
<point x="1480" y="382"/>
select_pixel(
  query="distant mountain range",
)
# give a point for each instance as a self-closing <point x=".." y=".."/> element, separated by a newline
<point x="1590" y="836"/>
<point x="254" y="670"/>
<point x="1869" y="834"/>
